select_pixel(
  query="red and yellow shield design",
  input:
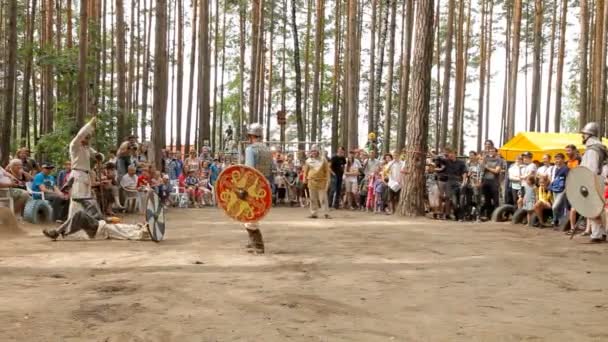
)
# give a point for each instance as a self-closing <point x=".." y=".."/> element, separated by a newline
<point x="243" y="193"/>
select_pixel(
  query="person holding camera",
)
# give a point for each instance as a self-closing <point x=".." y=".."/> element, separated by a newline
<point x="126" y="151"/>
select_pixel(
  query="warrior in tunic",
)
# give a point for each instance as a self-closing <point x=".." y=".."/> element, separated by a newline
<point x="84" y="226"/>
<point x="258" y="156"/>
<point x="80" y="155"/>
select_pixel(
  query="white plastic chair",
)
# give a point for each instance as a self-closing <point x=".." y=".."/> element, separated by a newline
<point x="179" y="195"/>
<point x="5" y="196"/>
<point x="28" y="186"/>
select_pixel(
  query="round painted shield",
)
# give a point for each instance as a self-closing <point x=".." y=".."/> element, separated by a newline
<point x="584" y="190"/>
<point x="243" y="193"/>
<point x="155" y="217"/>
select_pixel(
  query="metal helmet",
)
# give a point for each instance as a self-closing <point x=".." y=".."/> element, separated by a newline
<point x="591" y="128"/>
<point x="255" y="129"/>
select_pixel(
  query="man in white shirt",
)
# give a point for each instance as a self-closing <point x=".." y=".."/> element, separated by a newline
<point x="546" y="169"/>
<point x="394" y="181"/>
<point x="529" y="168"/>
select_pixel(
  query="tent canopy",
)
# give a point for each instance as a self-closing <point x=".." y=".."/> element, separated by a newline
<point x="541" y="143"/>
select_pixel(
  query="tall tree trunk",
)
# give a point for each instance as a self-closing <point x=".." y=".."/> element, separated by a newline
<point x="270" y="71"/>
<point x="482" y="71"/>
<point x="69" y="36"/>
<point x="222" y="142"/>
<point x="83" y="85"/>
<point x="513" y="69"/>
<point x="146" y="74"/>
<point x="505" y="95"/>
<point x="256" y="23"/>
<point x="447" y="73"/>
<point x="203" y="72"/>
<point x="405" y="75"/>
<point x="551" y="58"/>
<point x="306" y="108"/>
<point x="122" y="70"/>
<point x="598" y="66"/>
<point x="283" y="63"/>
<point x="371" y="91"/>
<point x="413" y="193"/>
<point x="29" y="55"/>
<point x="383" y="22"/>
<point x="215" y="70"/>
<point x="583" y="46"/>
<point x="319" y="34"/>
<point x="242" y="39"/>
<point x="438" y="84"/>
<point x="335" y="88"/>
<point x="5" y="139"/>
<point x="489" y="71"/>
<point x="388" y="91"/>
<point x="130" y="70"/>
<point x="48" y="72"/>
<point x="180" y="72"/>
<point x="191" y="84"/>
<point x="296" y="61"/>
<point x="351" y="74"/>
<point x="459" y="79"/>
<point x="159" y="105"/>
<point x="536" y="73"/>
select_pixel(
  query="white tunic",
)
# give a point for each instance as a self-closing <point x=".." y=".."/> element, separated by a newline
<point x="80" y="157"/>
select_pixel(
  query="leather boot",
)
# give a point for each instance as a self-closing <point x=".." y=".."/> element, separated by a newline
<point x="256" y="242"/>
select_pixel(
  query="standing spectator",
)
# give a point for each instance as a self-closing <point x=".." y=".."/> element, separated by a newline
<point x="351" y="177"/>
<point x="492" y="167"/>
<point x="514" y="173"/>
<point x="370" y="164"/>
<point x="337" y="170"/>
<point x="393" y="173"/>
<point x="126" y="151"/>
<point x="528" y="200"/>
<point x="316" y="176"/>
<point x="205" y="154"/>
<point x="574" y="157"/>
<point x="475" y="174"/>
<point x="546" y="169"/>
<point x="558" y="187"/>
<point x="380" y="189"/>
<point x="214" y="171"/>
<point x="529" y="167"/>
<point x="456" y="172"/>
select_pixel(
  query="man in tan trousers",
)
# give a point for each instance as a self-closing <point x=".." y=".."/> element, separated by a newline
<point x="317" y="175"/>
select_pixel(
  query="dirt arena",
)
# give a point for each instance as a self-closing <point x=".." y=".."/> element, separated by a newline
<point x="358" y="277"/>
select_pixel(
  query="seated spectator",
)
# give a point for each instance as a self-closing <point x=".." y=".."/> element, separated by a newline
<point x="128" y="182"/>
<point x="64" y="175"/>
<point x="19" y="190"/>
<point x="45" y="183"/>
<point x="192" y="188"/>
<point x="545" y="198"/>
<point x="143" y="181"/>
<point x="19" y="196"/>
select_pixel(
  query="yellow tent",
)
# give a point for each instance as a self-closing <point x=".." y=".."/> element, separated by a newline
<point x="541" y="143"/>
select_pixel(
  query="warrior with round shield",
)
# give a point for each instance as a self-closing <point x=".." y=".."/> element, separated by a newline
<point x="586" y="197"/>
<point x="259" y="157"/>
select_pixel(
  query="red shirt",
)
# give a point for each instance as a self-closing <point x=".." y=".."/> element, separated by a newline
<point x="143" y="181"/>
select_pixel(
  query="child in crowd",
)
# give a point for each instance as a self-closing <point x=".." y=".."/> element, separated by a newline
<point x="302" y="188"/>
<point x="379" y="191"/>
<point x="143" y="180"/>
<point x="528" y="200"/>
<point x="204" y="187"/>
<point x="370" y="203"/>
<point x="545" y="198"/>
<point x="192" y="188"/>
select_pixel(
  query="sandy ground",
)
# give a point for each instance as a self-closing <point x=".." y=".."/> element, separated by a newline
<point x="358" y="277"/>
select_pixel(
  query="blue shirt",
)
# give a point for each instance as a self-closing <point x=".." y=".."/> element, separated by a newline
<point x="214" y="173"/>
<point x="41" y="179"/>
